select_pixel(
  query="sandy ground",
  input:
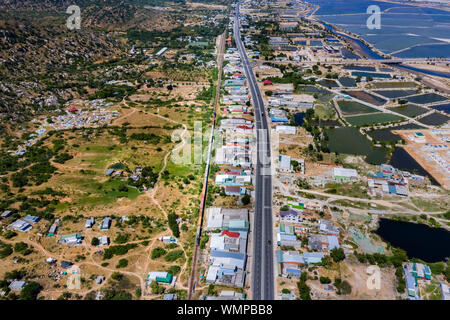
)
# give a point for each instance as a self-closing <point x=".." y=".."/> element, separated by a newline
<point x="415" y="150"/>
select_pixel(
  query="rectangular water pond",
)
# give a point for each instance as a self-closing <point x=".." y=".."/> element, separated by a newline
<point x="370" y="119"/>
<point x="426" y="98"/>
<point x="393" y="94"/>
<point x="410" y="110"/>
<point x="353" y="108"/>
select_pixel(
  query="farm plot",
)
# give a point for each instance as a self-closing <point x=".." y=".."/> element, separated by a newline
<point x="426" y="98"/>
<point x="353" y="108"/>
<point x="409" y="110"/>
<point x="367" y="97"/>
<point x="370" y="119"/>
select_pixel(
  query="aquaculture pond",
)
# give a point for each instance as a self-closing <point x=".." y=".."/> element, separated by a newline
<point x="418" y="240"/>
<point x="347" y="81"/>
<point x="367" y="97"/>
<point x="350" y="141"/>
<point x="347" y="54"/>
<point x="434" y="119"/>
<point x="375" y="118"/>
<point x="442" y="107"/>
<point x="299" y="118"/>
<point x="401" y="159"/>
<point x="360" y="68"/>
<point x="409" y="110"/>
<point x="329" y="83"/>
<point x="393" y="94"/>
<point x="426" y="98"/>
<point x="393" y="85"/>
<point x="353" y="107"/>
<point x="387" y="135"/>
<point x="371" y="74"/>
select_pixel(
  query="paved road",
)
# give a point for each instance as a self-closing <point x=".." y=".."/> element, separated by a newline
<point x="263" y="264"/>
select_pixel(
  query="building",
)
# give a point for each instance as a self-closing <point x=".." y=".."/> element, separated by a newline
<point x="106" y="224"/>
<point x="410" y="286"/>
<point x="290" y="215"/>
<point x="74" y="238"/>
<point x="285" y="129"/>
<point x="52" y="231"/>
<point x="327" y="227"/>
<point x="170" y="296"/>
<point x="160" y="52"/>
<point x="89" y="223"/>
<point x="17" y="285"/>
<point x="235" y="191"/>
<point x="20" y="225"/>
<point x="160" y="277"/>
<point x="312" y="257"/>
<point x="103" y="241"/>
<point x="284" y="163"/>
<point x="109" y="172"/>
<point x="418" y="270"/>
<point x="6" y="214"/>
<point x="445" y="291"/>
<point x="343" y="174"/>
<point x="31" y="219"/>
<point x="168" y="239"/>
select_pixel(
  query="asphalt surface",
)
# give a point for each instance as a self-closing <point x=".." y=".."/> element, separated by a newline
<point x="263" y="264"/>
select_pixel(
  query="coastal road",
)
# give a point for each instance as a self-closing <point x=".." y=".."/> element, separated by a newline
<point x="262" y="260"/>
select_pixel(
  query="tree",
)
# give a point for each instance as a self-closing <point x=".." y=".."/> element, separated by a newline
<point x="337" y="254"/>
<point x="95" y="241"/>
<point x="245" y="199"/>
<point x="30" y="291"/>
<point x="122" y="263"/>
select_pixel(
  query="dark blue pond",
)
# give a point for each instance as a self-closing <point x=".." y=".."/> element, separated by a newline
<point x="402" y="160"/>
<point x="299" y="118"/>
<point x="418" y="240"/>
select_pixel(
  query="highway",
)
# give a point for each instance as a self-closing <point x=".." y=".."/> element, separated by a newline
<point x="262" y="284"/>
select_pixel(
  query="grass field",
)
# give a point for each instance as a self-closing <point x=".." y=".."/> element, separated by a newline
<point x="372" y="119"/>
